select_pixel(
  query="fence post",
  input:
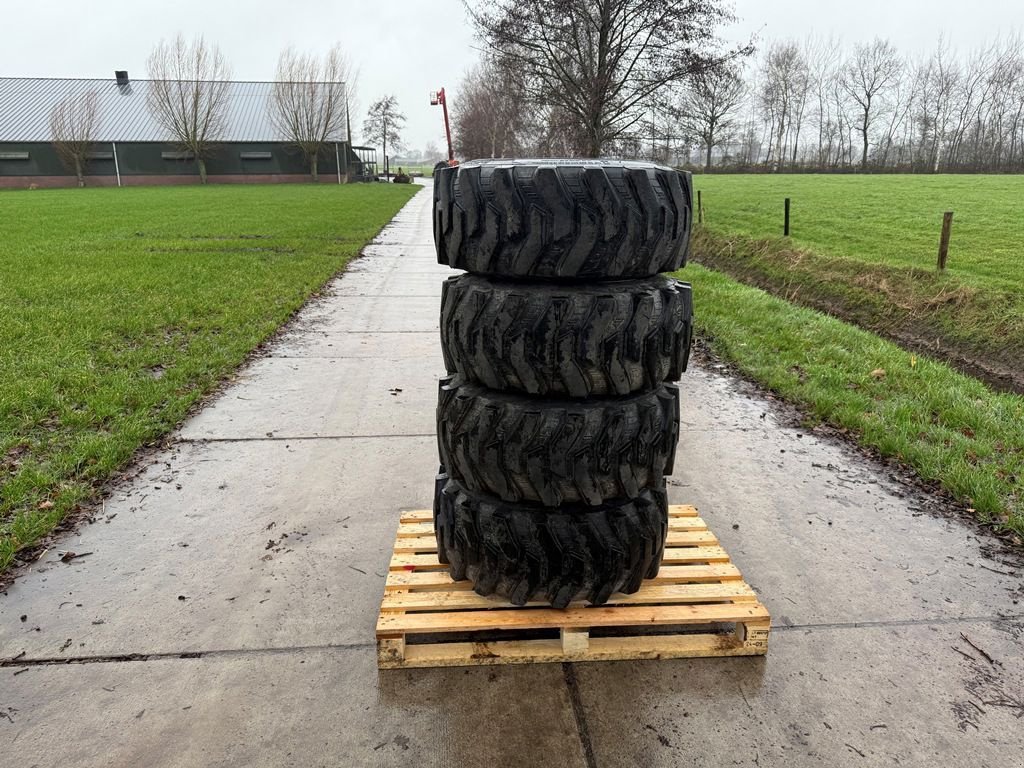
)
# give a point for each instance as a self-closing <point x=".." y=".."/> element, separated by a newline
<point x="947" y="225"/>
<point x="700" y="209"/>
<point x="785" y="224"/>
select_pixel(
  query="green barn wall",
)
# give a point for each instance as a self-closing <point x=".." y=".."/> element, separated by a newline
<point x="144" y="159"/>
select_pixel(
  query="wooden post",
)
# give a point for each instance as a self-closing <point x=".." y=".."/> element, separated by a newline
<point x="700" y="209"/>
<point x="947" y="225"/>
<point x="785" y="223"/>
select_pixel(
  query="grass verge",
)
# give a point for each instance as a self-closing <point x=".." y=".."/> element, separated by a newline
<point x="121" y="308"/>
<point x="978" y="328"/>
<point x="950" y="428"/>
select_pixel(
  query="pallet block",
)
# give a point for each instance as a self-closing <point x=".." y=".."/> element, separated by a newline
<point x="429" y="620"/>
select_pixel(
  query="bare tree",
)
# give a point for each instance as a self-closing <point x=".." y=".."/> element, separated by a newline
<point x="784" y="90"/>
<point x="432" y="153"/>
<point x="874" y="69"/>
<point x="972" y="98"/>
<point x="709" y="108"/>
<point x="822" y="69"/>
<point x="600" y="61"/>
<point x="73" y="124"/>
<point x="899" y="108"/>
<point x="383" y="125"/>
<point x="308" y="102"/>
<point x="188" y="94"/>
<point x="491" y="114"/>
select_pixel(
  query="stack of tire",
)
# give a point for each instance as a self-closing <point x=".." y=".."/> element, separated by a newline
<point x="558" y="421"/>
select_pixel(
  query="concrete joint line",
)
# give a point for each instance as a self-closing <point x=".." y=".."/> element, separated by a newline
<point x="341" y="357"/>
<point x="579" y="714"/>
<point x="120" y="658"/>
<point x="899" y="622"/>
<point x="568" y="669"/>
<point x="294" y="438"/>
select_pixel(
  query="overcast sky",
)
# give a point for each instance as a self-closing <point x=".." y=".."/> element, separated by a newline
<point x="411" y="47"/>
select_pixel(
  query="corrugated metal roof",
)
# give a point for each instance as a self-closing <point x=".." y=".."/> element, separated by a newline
<point x="26" y="103"/>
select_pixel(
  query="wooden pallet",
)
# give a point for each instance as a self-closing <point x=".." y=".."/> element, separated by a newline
<point x="698" y="593"/>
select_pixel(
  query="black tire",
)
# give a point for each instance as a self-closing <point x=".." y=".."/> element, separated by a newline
<point x="552" y="452"/>
<point x="440" y="480"/>
<point x="523" y="552"/>
<point x="574" y="341"/>
<point x="562" y="219"/>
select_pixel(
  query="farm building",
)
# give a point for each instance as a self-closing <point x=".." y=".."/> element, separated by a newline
<point x="132" y="148"/>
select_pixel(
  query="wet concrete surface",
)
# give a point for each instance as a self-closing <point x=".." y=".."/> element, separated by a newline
<point x="225" y="614"/>
<point x="327" y="708"/>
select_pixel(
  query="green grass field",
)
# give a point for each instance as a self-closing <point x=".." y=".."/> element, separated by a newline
<point x="894" y="220"/>
<point x="864" y="248"/>
<point x="120" y="308"/>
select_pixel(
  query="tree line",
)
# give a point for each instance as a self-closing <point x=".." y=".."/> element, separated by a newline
<point x="643" y="79"/>
<point x="819" y="105"/>
<point x="310" y="105"/>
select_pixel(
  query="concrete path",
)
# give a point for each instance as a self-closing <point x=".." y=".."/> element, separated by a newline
<point x="225" y="616"/>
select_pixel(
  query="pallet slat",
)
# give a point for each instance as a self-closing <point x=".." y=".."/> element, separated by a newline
<point x="697" y="588"/>
<point x="407" y="580"/>
<point x="598" y="649"/>
<point x="464" y="599"/>
<point x="546" y="618"/>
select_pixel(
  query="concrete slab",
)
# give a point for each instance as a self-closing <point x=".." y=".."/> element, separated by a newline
<point x="394" y="246"/>
<point x="313" y="342"/>
<point x="302" y="709"/>
<point x="819" y="532"/>
<point x="379" y="314"/>
<point x="828" y="696"/>
<point x="711" y="402"/>
<point x="395" y="283"/>
<point x="312" y="397"/>
<point x="199" y="525"/>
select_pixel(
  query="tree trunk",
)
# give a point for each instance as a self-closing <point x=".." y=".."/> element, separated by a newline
<point x="202" y="169"/>
<point x="864" y="151"/>
<point x="313" y="162"/>
<point x="707" y="163"/>
<point x="594" y="140"/>
<point x="79" y="173"/>
<point x="780" y="155"/>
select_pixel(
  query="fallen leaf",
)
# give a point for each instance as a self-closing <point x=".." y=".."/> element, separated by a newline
<point x="878" y="373"/>
<point x="67" y="557"/>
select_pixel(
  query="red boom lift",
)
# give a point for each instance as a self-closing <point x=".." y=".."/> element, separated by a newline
<point x="437" y="97"/>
